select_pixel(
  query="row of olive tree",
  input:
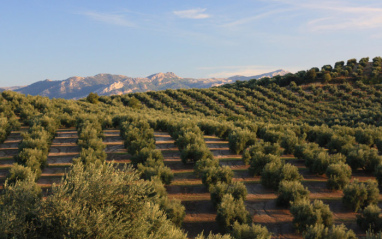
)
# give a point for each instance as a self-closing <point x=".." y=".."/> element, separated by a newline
<point x="5" y="128"/>
<point x="8" y="119"/>
<point x="363" y="197"/>
<point x="314" y="220"/>
<point x="34" y="148"/>
<point x="227" y="196"/>
<point x="90" y="135"/>
<point x="140" y="142"/>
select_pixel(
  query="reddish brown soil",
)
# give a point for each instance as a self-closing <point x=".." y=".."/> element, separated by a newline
<point x="112" y="137"/>
<point x="115" y="148"/>
<point x="200" y="213"/>
<point x="62" y="151"/>
<point x="64" y="148"/>
<point x="8" y="149"/>
<point x="187" y="188"/>
<point x="260" y="202"/>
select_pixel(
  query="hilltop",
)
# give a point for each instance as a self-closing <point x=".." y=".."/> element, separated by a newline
<point x="108" y="84"/>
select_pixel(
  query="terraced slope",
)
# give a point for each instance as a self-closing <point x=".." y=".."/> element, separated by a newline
<point x="114" y="146"/>
<point x="261" y="201"/>
<point x="200" y="212"/>
<point x="8" y="149"/>
<point x="62" y="151"/>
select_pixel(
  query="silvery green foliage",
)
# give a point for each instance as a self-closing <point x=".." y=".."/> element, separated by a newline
<point x="369" y="218"/>
<point x="20" y="205"/>
<point x="306" y="214"/>
<point x="319" y="231"/>
<point x="213" y="236"/>
<point x="93" y="202"/>
<point x="339" y="175"/>
<point x="230" y="211"/>
<point x="274" y="172"/>
<point x="358" y="195"/>
<point x="259" y="160"/>
<point x="254" y="231"/>
<point x="291" y="191"/>
<point x="237" y="189"/>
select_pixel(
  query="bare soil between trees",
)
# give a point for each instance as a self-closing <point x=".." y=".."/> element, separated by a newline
<point x="260" y="201"/>
<point x="9" y="149"/>
<point x="200" y="213"/>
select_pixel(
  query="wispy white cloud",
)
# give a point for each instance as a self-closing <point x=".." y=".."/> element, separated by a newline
<point x="227" y="71"/>
<point x="196" y="13"/>
<point x="354" y="22"/>
<point x="348" y="18"/>
<point x="255" y="17"/>
<point x="339" y="15"/>
<point x="110" y="18"/>
<point x="160" y="23"/>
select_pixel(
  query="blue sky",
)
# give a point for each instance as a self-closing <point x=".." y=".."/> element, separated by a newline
<point x="43" y="39"/>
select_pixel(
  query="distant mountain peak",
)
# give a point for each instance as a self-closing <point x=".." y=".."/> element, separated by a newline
<point x="107" y="84"/>
<point x="160" y="75"/>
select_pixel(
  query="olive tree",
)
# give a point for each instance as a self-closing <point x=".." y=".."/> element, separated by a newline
<point x="239" y="140"/>
<point x="144" y="154"/>
<point x="255" y="231"/>
<point x="194" y="152"/>
<point x="213" y="236"/>
<point x="20" y="204"/>
<point x="125" y="207"/>
<point x="274" y="172"/>
<point x="236" y="189"/>
<point x="259" y="160"/>
<point x="369" y="218"/>
<point x="92" y="98"/>
<point x="288" y="142"/>
<point x="358" y="195"/>
<point x="339" y="175"/>
<point x="261" y="147"/>
<point x="319" y="231"/>
<point x="306" y="214"/>
<point x="364" y="157"/>
<point x="205" y="163"/>
<point x="291" y="191"/>
<point x="378" y="174"/>
<point x="230" y="211"/>
<point x="213" y="175"/>
<point x="153" y="168"/>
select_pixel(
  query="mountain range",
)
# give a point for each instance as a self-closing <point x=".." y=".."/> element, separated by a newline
<point x="108" y="84"/>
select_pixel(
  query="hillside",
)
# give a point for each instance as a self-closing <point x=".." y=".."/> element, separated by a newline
<point x="241" y="151"/>
<point x="107" y="84"/>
